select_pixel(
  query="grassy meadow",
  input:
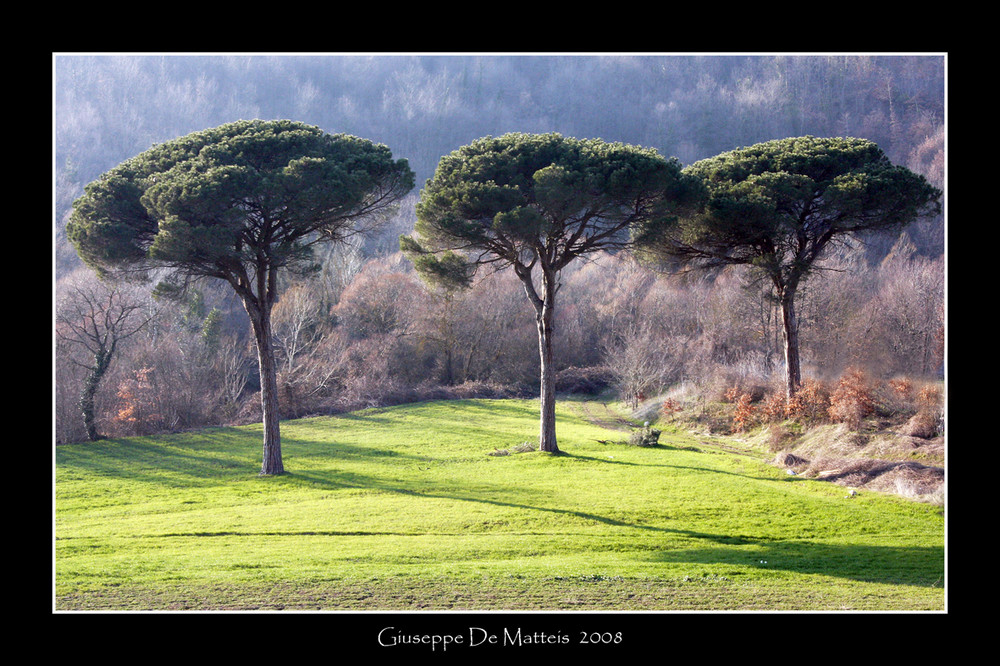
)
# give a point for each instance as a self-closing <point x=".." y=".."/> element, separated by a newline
<point x="403" y="508"/>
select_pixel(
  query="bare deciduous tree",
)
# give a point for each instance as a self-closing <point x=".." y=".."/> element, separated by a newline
<point x="296" y="324"/>
<point x="97" y="317"/>
<point x="906" y="316"/>
<point x="233" y="363"/>
<point x="638" y="363"/>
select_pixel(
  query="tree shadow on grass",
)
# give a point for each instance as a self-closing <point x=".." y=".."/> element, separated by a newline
<point x="203" y="459"/>
<point x="172" y="460"/>
<point x="920" y="566"/>
<point x="898" y="565"/>
<point x="692" y="468"/>
<point x="177" y="462"/>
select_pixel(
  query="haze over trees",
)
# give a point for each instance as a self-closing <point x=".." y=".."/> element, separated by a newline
<point x="366" y="331"/>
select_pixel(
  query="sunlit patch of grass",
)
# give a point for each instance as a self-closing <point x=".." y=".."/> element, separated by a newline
<point x="406" y="508"/>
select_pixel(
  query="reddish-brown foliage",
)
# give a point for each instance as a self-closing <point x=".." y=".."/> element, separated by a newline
<point x="138" y="404"/>
<point x="903" y="387"/>
<point x="811" y="401"/>
<point x="852" y="400"/>
<point x="929" y="397"/>
<point x="670" y="407"/>
<point x="775" y="408"/>
<point x="745" y="415"/>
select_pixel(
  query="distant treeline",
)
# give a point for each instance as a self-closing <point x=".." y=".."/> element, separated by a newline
<point x="109" y="107"/>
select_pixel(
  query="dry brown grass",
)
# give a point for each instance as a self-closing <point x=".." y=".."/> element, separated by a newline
<point x="906" y="478"/>
<point x="860" y="432"/>
<point x="917" y="480"/>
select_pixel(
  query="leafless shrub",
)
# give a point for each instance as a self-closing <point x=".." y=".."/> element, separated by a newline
<point x="297" y="323"/>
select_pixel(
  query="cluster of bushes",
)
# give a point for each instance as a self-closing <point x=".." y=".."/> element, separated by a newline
<point x="854" y="397"/>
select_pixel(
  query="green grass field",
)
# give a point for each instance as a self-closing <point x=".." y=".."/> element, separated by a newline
<point x="402" y="509"/>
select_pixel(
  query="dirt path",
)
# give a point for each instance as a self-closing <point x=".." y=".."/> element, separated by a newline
<point x="601" y="415"/>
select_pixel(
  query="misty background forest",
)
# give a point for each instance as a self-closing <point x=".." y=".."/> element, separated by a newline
<point x="366" y="331"/>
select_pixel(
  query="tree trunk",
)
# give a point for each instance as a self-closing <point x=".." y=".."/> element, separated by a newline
<point x="102" y="360"/>
<point x="547" y="433"/>
<point x="272" y="463"/>
<point x="790" y="337"/>
<point x="547" y="429"/>
<point x="544" y="307"/>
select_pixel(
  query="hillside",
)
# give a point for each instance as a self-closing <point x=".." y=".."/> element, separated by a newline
<point x="898" y="450"/>
<point x="431" y="506"/>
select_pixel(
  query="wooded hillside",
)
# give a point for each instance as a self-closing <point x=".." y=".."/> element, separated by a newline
<point x="366" y="331"/>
